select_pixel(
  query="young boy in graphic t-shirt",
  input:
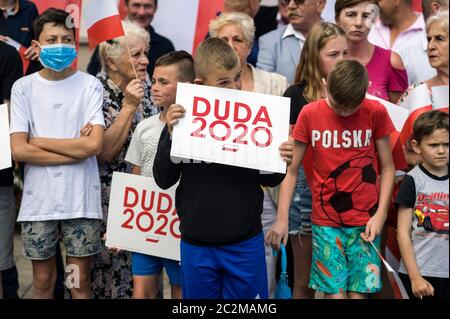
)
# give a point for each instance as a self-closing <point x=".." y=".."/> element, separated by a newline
<point x="422" y="228"/>
<point x="350" y="202"/>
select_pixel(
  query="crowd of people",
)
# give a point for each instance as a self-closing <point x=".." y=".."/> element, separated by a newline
<point x="71" y="130"/>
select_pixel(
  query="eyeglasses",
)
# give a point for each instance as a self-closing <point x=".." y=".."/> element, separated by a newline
<point x="297" y="2"/>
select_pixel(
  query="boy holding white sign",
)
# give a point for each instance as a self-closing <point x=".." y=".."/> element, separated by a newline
<point x="219" y="206"/>
<point x="173" y="67"/>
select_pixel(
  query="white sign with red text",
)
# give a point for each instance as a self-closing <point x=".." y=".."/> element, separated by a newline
<point x="231" y="127"/>
<point x="5" y="147"/>
<point x="142" y="217"/>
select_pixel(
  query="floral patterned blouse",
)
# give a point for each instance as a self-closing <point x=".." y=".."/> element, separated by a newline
<point x="111" y="271"/>
<point x="410" y="89"/>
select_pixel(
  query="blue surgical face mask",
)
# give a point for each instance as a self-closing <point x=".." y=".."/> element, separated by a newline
<point x="57" y="57"/>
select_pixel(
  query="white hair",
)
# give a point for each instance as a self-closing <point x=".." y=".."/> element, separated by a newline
<point x="440" y="16"/>
<point x="241" y="19"/>
<point x="114" y="48"/>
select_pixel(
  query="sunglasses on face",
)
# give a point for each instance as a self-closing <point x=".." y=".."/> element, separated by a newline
<point x="297" y="2"/>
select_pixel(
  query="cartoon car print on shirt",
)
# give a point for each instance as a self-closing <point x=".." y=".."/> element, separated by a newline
<point x="433" y="217"/>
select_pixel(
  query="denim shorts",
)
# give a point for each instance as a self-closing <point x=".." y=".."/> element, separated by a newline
<point x="301" y="206"/>
<point x="81" y="237"/>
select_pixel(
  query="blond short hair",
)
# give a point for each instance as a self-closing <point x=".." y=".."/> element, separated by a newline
<point x="113" y="49"/>
<point x="237" y="18"/>
<point x="212" y="54"/>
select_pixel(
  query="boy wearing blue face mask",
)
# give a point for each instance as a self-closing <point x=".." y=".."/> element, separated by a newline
<point x="61" y="196"/>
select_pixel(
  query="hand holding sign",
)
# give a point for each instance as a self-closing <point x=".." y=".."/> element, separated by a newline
<point x="286" y="151"/>
<point x="175" y="112"/>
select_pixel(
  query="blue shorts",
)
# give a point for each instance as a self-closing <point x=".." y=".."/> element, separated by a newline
<point x="146" y="265"/>
<point x="301" y="206"/>
<point x="235" y="271"/>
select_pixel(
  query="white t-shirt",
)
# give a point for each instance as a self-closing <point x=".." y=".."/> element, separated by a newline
<point x="380" y="35"/>
<point x="144" y="144"/>
<point x="58" y="109"/>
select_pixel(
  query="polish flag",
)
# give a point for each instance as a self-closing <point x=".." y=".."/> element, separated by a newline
<point x="122" y="8"/>
<point x="417" y="102"/>
<point x="440" y="97"/>
<point x="21" y="49"/>
<point x="194" y="17"/>
<point x="102" y="21"/>
<point x="398" y="117"/>
<point x="206" y="12"/>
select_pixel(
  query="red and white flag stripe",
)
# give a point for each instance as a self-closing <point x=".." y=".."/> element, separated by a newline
<point x="102" y="21"/>
<point x="398" y="117"/>
<point x="194" y="16"/>
<point x="21" y="49"/>
<point x="440" y="97"/>
<point x="207" y="10"/>
<point x="419" y="101"/>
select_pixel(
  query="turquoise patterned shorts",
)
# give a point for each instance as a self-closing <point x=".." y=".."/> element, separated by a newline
<point x="342" y="261"/>
<point x="80" y="236"/>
